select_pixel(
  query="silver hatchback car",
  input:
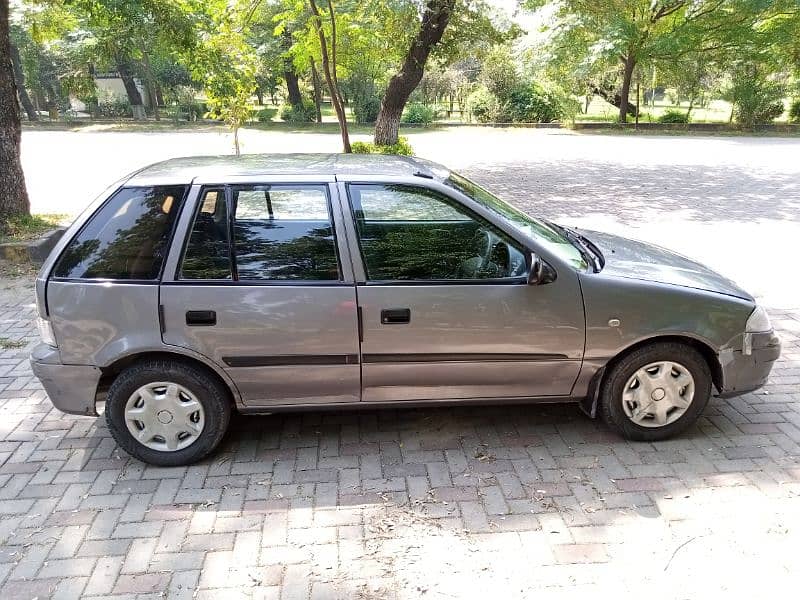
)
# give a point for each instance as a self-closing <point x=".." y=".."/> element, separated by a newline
<point x="199" y="286"/>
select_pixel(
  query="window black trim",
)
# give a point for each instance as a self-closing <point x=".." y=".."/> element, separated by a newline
<point x="518" y="280"/>
<point x="261" y="282"/>
<point x="103" y="281"/>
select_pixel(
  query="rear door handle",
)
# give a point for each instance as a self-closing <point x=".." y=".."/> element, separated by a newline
<point x="201" y="317"/>
<point x="395" y="316"/>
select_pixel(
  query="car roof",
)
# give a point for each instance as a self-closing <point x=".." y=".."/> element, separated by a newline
<point x="223" y="168"/>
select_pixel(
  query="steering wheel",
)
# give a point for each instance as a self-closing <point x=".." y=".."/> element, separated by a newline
<point x="500" y="257"/>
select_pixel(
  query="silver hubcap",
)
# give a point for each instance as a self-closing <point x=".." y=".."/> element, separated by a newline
<point x="658" y="394"/>
<point x="164" y="416"/>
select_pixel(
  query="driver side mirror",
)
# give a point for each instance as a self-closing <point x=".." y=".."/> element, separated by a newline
<point x="539" y="272"/>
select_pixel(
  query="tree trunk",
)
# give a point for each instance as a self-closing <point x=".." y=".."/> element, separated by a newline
<point x="329" y="68"/>
<point x="14" y="199"/>
<point x="260" y="96"/>
<point x="434" y="21"/>
<point x="317" y="91"/>
<point x="151" y="86"/>
<point x="289" y="74"/>
<point x="19" y="78"/>
<point x="627" y="75"/>
<point x="691" y="105"/>
<point x="134" y="97"/>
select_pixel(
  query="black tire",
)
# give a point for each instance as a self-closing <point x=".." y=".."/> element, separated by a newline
<point x="212" y="395"/>
<point x="618" y="375"/>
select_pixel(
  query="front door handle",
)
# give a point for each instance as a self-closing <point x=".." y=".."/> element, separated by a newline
<point x="395" y="316"/>
<point x="201" y="317"/>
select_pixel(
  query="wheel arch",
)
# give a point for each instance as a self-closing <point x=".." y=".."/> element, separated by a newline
<point x="110" y="372"/>
<point x="590" y="404"/>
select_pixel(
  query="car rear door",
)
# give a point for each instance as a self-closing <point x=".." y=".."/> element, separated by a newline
<point x="263" y="287"/>
<point x="447" y="312"/>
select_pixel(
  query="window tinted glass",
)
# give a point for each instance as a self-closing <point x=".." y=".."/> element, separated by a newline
<point x="409" y="233"/>
<point x="405" y="204"/>
<point x="548" y="235"/>
<point x="127" y="238"/>
<point x="284" y="232"/>
<point x="207" y="254"/>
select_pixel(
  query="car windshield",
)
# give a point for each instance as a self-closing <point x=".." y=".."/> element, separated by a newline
<point x="543" y="232"/>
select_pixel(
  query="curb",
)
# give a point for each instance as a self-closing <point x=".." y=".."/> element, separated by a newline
<point x="31" y="251"/>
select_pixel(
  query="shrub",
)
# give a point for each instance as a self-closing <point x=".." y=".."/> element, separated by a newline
<point x="674" y="116"/>
<point x="110" y="106"/>
<point x="299" y="113"/>
<point x="499" y="73"/>
<point x="402" y="147"/>
<point x="418" y="114"/>
<point x="794" y="111"/>
<point x="483" y="105"/>
<point x="756" y="100"/>
<point x="532" y="103"/>
<point x="265" y="115"/>
<point x="366" y="109"/>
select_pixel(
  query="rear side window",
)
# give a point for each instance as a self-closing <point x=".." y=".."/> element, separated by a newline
<point x="207" y="254"/>
<point x="281" y="232"/>
<point x="126" y="238"/>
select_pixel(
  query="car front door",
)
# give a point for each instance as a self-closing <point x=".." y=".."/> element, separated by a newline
<point x="264" y="288"/>
<point x="446" y="309"/>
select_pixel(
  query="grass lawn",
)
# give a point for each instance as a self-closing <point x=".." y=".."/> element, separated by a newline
<point x="28" y="227"/>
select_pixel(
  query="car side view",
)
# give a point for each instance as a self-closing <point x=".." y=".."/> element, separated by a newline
<point x="199" y="286"/>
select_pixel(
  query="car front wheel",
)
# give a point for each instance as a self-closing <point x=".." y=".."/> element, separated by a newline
<point x="167" y="413"/>
<point x="656" y="391"/>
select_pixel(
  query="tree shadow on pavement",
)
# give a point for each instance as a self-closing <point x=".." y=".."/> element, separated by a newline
<point x="702" y="193"/>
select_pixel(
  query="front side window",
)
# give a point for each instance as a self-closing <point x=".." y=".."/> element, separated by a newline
<point x="548" y="235"/>
<point x="409" y="233"/>
<point x="127" y="238"/>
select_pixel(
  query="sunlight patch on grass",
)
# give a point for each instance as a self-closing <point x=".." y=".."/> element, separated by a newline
<point x="27" y="227"/>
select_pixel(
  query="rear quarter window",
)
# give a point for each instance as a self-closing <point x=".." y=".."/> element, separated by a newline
<point x="127" y="238"/>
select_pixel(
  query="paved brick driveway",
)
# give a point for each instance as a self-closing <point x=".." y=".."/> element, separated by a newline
<point x="500" y="502"/>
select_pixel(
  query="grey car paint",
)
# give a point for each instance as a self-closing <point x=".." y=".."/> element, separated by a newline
<point x="537" y="343"/>
<point x="633" y="259"/>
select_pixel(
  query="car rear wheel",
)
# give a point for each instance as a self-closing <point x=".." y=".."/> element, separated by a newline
<point x="656" y="391"/>
<point x="167" y="413"/>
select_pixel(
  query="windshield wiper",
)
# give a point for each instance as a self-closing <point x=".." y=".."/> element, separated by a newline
<point x="590" y="253"/>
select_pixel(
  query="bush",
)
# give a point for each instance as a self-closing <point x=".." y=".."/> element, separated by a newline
<point x="673" y="116"/>
<point x="299" y="113"/>
<point x="756" y="100"/>
<point x="483" y="105"/>
<point x="265" y="115"/>
<point x="107" y="104"/>
<point x="402" y="147"/>
<point x="418" y="114"/>
<point x="794" y="111"/>
<point x="532" y="103"/>
<point x="366" y="108"/>
<point x="499" y="72"/>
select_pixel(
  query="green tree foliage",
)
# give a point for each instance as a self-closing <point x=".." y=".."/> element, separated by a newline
<point x="226" y="65"/>
<point x="756" y="99"/>
<point x="593" y="38"/>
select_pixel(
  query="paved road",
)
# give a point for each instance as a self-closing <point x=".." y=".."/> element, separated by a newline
<point x="505" y="502"/>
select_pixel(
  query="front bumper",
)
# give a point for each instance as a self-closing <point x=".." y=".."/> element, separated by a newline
<point x="742" y="373"/>
<point x="72" y="388"/>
